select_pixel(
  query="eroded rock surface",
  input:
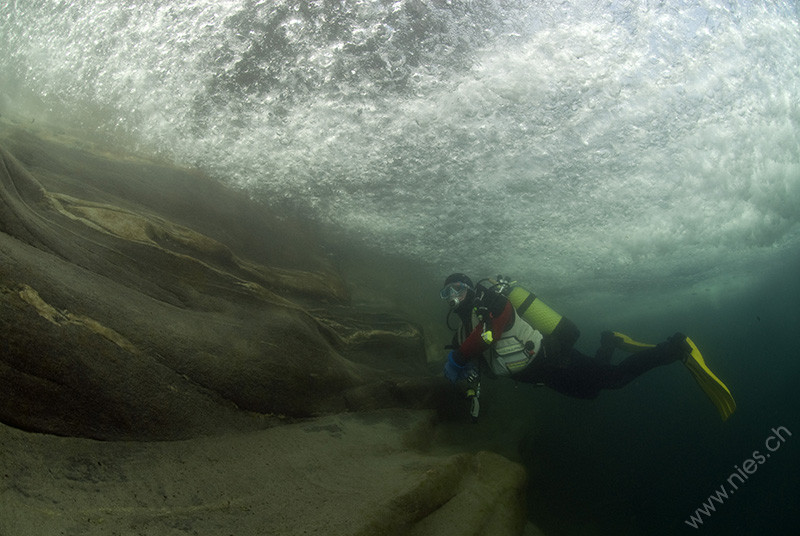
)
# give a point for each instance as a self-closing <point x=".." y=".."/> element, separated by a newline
<point x="121" y="320"/>
<point x="356" y="475"/>
<point x="141" y="303"/>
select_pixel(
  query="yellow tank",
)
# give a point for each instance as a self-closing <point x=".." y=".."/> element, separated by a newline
<point x="560" y="332"/>
<point x="533" y="310"/>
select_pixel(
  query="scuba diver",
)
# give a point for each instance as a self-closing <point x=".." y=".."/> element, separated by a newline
<point x="504" y="330"/>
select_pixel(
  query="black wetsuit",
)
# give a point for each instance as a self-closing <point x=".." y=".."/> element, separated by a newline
<point x="581" y="376"/>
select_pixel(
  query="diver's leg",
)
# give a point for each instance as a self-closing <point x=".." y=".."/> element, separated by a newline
<point x="673" y="349"/>
<point x="584" y="377"/>
<point x="579" y="375"/>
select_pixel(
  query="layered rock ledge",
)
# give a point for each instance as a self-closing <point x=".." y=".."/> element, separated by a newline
<point x="175" y="359"/>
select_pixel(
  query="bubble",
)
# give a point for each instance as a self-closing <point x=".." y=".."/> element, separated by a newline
<point x="576" y="143"/>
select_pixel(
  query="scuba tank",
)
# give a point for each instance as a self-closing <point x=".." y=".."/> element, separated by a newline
<point x="557" y="329"/>
<point x="535" y="312"/>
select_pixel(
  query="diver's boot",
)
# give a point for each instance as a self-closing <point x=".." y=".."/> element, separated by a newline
<point x="608" y="343"/>
<point x="679" y="346"/>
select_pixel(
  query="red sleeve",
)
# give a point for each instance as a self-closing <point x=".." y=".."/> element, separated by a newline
<point x="474" y="345"/>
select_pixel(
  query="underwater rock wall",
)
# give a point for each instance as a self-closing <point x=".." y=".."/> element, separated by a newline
<point x="142" y="303"/>
<point x="124" y="314"/>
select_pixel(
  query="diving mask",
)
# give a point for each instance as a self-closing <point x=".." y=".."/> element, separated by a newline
<point x="454" y="293"/>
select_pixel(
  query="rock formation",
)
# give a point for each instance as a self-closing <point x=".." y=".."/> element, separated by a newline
<point x="140" y="302"/>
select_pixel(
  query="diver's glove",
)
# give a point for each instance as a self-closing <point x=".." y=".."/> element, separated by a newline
<point x="455" y="372"/>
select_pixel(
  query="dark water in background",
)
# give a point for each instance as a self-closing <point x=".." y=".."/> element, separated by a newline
<point x="635" y="163"/>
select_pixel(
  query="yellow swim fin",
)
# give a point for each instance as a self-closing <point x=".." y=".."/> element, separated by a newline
<point x="626" y="343"/>
<point x="709" y="383"/>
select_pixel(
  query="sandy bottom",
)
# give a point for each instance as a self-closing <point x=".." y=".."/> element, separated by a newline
<point x="348" y="474"/>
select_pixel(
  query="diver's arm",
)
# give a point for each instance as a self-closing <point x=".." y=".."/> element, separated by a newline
<point x="474" y="345"/>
